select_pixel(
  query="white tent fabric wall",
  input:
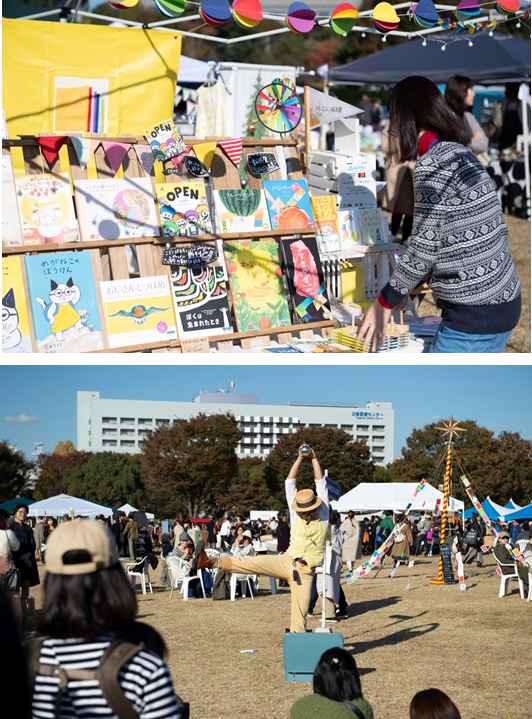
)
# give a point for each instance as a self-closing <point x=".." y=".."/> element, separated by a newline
<point x="127" y="508"/>
<point x="367" y="497"/>
<point x="62" y="503"/>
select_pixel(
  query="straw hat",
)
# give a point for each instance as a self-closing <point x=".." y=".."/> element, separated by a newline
<point x="306" y="500"/>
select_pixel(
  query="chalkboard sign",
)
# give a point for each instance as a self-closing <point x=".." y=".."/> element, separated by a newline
<point x="448" y="574"/>
<point x="195" y="167"/>
<point x="262" y="163"/>
<point x="189" y="255"/>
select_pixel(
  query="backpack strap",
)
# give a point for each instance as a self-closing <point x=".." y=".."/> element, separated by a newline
<point x="115" y="656"/>
<point x="356" y="711"/>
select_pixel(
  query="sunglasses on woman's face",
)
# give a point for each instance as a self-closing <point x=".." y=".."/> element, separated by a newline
<point x="307" y="514"/>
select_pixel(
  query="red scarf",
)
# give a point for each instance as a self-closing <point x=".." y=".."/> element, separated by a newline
<point x="426" y="141"/>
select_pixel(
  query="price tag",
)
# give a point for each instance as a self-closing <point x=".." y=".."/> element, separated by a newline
<point x="195" y="345"/>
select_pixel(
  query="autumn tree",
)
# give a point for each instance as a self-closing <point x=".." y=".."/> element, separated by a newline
<point x="109" y="478"/>
<point x="15" y="473"/>
<point x="248" y="490"/>
<point x="51" y="468"/>
<point x="188" y="464"/>
<point x="347" y="461"/>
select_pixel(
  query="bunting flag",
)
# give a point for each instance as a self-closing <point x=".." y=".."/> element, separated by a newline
<point x="324" y="108"/>
<point x="115" y="153"/>
<point x="233" y="150"/>
<point x="51" y="146"/>
<point x="179" y="160"/>
<point x="83" y="148"/>
<point x="146" y="158"/>
<point x="205" y="152"/>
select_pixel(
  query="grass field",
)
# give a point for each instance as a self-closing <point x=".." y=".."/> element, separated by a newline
<point x="403" y="641"/>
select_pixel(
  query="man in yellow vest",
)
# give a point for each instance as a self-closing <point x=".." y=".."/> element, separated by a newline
<point x="309" y="519"/>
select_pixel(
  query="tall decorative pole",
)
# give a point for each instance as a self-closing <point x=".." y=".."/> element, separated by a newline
<point x="451" y="429"/>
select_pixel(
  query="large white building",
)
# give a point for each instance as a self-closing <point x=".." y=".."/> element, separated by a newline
<point x="120" y="425"/>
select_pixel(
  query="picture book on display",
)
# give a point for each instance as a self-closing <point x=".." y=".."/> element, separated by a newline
<point x="255" y="280"/>
<point x="116" y="209"/>
<point x="371" y="230"/>
<point x="200" y="301"/>
<point x="288" y="204"/>
<point x="15" y="320"/>
<point x="11" y="229"/>
<point x="46" y="209"/>
<point x="138" y="311"/>
<point x="64" y="306"/>
<point x="326" y="218"/>
<point x="305" y="279"/>
<point x="241" y="211"/>
<point x="350" y="235"/>
<point x="165" y="141"/>
<point x="183" y="209"/>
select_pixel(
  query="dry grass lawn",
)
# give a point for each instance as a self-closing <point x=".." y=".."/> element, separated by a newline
<point x="403" y="641"/>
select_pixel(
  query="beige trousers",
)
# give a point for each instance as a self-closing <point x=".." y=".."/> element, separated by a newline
<point x="281" y="566"/>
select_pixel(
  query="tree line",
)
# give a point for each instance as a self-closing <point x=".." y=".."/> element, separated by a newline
<point x="191" y="467"/>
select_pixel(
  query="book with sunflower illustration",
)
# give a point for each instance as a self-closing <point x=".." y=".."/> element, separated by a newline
<point x="255" y="280"/>
<point x="288" y="204"/>
<point x="241" y="211"/>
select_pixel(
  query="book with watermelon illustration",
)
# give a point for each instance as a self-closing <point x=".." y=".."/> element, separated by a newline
<point x="327" y="228"/>
<point x="288" y="204"/>
<point x="305" y="279"/>
<point x="255" y="280"/>
<point x="241" y="211"/>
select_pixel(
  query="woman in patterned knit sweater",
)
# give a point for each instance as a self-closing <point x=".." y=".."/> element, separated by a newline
<point x="459" y="242"/>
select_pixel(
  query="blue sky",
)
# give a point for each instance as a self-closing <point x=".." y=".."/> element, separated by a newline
<point x="39" y="403"/>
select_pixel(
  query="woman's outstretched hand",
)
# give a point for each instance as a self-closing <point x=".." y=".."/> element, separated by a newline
<point x="374" y="326"/>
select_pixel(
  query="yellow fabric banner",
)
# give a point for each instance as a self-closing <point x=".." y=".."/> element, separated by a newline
<point x="59" y="77"/>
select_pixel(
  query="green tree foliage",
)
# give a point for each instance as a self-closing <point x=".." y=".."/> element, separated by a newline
<point x="108" y="478"/>
<point x="15" y="473"/>
<point x="248" y="490"/>
<point x="348" y="462"/>
<point x="191" y="462"/>
<point x="500" y="467"/>
<point x="52" y="467"/>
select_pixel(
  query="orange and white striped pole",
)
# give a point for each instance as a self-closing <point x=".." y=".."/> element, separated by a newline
<point x="446" y="484"/>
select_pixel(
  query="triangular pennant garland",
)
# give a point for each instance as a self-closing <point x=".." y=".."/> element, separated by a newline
<point x="82" y="146"/>
<point x="205" y="152"/>
<point x="51" y="146"/>
<point x="324" y="108"/>
<point x="179" y="160"/>
<point x="146" y="158"/>
<point x="115" y="153"/>
<point x="233" y="150"/>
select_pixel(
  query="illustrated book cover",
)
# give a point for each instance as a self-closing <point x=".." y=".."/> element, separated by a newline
<point x="63" y="301"/>
<point x="241" y="211"/>
<point x="350" y="235"/>
<point x="46" y="209"/>
<point x="183" y="209"/>
<point x="138" y="311"/>
<point x="116" y="209"/>
<point x="15" y="320"/>
<point x="371" y="230"/>
<point x="288" y="204"/>
<point x="255" y="280"/>
<point x="165" y="140"/>
<point x="305" y="279"/>
<point x="326" y="218"/>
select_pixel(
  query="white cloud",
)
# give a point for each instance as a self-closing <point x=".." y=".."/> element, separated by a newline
<point x="22" y="419"/>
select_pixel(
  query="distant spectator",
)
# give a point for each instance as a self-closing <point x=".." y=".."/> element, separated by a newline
<point x="38" y="534"/>
<point x="433" y="704"/>
<point x="366" y="105"/>
<point x="525" y="533"/>
<point x="460" y="96"/>
<point x="508" y="117"/>
<point x="9" y="544"/>
<point x="131" y="532"/>
<point x="337" y="691"/>
<point x="25" y="561"/>
<point x="352" y="546"/>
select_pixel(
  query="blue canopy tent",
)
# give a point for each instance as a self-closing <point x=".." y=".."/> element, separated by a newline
<point x="8" y="506"/>
<point x="524" y="513"/>
<point x="492" y="509"/>
<point x="511" y="505"/>
<point x="491" y="61"/>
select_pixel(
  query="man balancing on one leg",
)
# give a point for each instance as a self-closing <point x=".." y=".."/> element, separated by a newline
<point x="309" y="518"/>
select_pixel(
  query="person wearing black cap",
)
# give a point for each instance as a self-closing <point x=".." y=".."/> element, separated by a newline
<point x="309" y="519"/>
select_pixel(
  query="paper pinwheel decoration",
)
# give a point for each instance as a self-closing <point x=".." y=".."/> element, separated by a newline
<point x="215" y="12"/>
<point x="385" y="18"/>
<point x="170" y="8"/>
<point x="343" y="17"/>
<point x="300" y="18"/>
<point x="247" y="13"/>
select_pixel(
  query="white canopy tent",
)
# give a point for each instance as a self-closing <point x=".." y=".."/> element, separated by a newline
<point x="367" y="497"/>
<point x="127" y="508"/>
<point x="62" y="503"/>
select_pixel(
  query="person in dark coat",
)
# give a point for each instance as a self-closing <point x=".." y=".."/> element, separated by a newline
<point x="500" y="550"/>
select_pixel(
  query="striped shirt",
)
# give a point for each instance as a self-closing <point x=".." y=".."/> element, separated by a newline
<point x="145" y="680"/>
<point x="307" y="541"/>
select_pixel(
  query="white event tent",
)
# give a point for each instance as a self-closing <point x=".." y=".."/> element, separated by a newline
<point x="61" y="504"/>
<point x="368" y="497"/>
<point x="127" y="508"/>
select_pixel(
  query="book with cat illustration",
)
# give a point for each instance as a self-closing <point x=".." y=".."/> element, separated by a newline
<point x="183" y="208"/>
<point x="201" y="302"/>
<point x="46" y="209"/>
<point x="288" y="204"/>
<point x="16" y="336"/>
<point x="255" y="280"/>
<point x="138" y="311"/>
<point x="116" y="209"/>
<point x="241" y="211"/>
<point x="63" y="301"/>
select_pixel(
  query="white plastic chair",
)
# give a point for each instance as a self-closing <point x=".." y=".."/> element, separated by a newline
<point x="181" y="576"/>
<point x="521" y="544"/>
<point x="247" y="579"/>
<point x="514" y="574"/>
<point x="213" y="554"/>
<point x="139" y="569"/>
